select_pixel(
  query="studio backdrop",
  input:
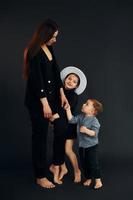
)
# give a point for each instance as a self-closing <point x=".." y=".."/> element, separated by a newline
<point x="95" y="37"/>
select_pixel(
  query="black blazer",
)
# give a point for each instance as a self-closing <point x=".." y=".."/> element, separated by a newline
<point x="39" y="85"/>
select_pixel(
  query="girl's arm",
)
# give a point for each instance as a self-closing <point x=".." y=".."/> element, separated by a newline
<point x="64" y="101"/>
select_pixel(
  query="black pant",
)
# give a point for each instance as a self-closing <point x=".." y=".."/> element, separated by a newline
<point x="39" y="143"/>
<point x="39" y="140"/>
<point x="60" y="131"/>
<point x="90" y="162"/>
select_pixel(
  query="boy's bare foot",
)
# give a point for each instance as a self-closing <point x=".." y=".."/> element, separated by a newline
<point x="45" y="183"/>
<point x="63" y="172"/>
<point x="55" y="170"/>
<point x="77" y="178"/>
<point x="87" y="182"/>
<point x="98" y="184"/>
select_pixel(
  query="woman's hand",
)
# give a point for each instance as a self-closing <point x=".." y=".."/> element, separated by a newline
<point x="46" y="108"/>
<point x="47" y="111"/>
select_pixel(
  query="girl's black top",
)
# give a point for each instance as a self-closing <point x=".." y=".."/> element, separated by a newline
<point x="72" y="98"/>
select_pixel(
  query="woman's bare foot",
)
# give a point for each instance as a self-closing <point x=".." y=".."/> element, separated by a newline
<point x="55" y="170"/>
<point x="98" y="184"/>
<point x="45" y="183"/>
<point x="87" y="182"/>
<point x="63" y="171"/>
<point x="77" y="178"/>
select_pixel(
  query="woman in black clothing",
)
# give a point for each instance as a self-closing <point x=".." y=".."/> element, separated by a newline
<point x="44" y="94"/>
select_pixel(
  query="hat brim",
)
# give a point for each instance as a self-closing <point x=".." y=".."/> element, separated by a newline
<point x="83" y="80"/>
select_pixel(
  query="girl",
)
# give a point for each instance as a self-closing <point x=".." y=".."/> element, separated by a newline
<point x="74" y="80"/>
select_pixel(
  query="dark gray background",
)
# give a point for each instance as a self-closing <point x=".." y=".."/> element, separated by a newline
<point x="97" y="37"/>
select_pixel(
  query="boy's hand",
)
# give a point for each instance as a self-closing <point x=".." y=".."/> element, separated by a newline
<point x="83" y="129"/>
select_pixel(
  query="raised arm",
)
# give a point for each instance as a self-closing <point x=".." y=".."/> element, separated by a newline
<point x="72" y="119"/>
<point x="69" y="113"/>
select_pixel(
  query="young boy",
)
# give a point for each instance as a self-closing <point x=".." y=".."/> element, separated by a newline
<point x="87" y="130"/>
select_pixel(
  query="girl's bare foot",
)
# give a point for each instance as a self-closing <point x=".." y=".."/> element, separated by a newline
<point x="98" y="184"/>
<point x="63" y="172"/>
<point x="55" y="170"/>
<point x="45" y="183"/>
<point x="77" y="178"/>
<point x="87" y="182"/>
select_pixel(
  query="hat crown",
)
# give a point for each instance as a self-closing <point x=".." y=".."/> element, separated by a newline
<point x="75" y="70"/>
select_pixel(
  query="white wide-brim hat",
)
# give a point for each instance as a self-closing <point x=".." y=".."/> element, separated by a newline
<point x="75" y="70"/>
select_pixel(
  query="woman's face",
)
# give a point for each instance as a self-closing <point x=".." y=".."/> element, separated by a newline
<point x="71" y="82"/>
<point x="53" y="39"/>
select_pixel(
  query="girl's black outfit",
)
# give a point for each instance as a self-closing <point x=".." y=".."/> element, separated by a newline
<point x="65" y="130"/>
<point x="44" y="81"/>
<point x="72" y="98"/>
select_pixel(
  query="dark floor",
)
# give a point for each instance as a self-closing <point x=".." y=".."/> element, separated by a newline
<point x="19" y="185"/>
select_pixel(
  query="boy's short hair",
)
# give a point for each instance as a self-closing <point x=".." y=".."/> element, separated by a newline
<point x="97" y="105"/>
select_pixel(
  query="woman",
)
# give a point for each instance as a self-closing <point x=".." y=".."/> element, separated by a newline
<point x="44" y="95"/>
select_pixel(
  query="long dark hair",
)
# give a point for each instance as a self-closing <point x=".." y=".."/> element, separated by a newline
<point x="42" y="35"/>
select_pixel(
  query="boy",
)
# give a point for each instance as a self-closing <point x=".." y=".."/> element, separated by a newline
<point x="87" y="130"/>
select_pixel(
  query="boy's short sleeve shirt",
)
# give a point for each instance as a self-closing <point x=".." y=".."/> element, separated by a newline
<point x="92" y="123"/>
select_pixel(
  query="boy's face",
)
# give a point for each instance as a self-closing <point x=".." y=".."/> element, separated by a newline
<point x="71" y="82"/>
<point x="88" y="108"/>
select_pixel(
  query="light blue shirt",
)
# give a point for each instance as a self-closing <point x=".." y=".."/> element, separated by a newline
<point x="90" y="122"/>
